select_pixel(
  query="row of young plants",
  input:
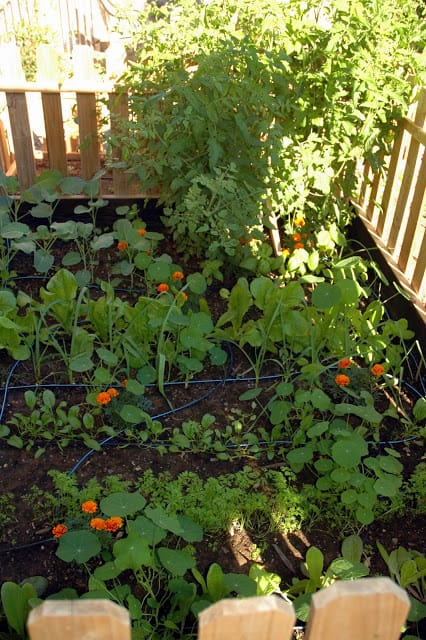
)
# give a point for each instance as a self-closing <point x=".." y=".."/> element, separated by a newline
<point x="144" y="555"/>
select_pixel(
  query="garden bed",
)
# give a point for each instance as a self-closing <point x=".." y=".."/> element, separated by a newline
<point x="187" y="441"/>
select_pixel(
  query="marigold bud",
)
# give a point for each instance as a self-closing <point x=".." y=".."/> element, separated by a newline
<point x="122" y="245"/>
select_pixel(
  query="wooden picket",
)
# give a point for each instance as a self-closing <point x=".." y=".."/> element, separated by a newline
<point x="355" y="610"/>
<point x="59" y="147"/>
<point x="392" y="205"/>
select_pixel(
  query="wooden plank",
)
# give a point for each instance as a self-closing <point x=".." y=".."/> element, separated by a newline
<point x="55" y="135"/>
<point x="390" y="180"/>
<point x="359" y="609"/>
<point x="373" y="195"/>
<point x="414" y="217"/>
<point x="22" y="138"/>
<point x="88" y="131"/>
<point x="404" y="192"/>
<point x="119" y="108"/>
<point x="78" y="619"/>
<point x="260" y="618"/>
<point x="417" y="132"/>
<point x="419" y="270"/>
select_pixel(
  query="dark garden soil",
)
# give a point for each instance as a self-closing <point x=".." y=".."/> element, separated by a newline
<point x="27" y="547"/>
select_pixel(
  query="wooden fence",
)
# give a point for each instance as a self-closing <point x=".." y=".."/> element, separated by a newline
<point x="354" y="610"/>
<point x="64" y="138"/>
<point x="392" y="205"/>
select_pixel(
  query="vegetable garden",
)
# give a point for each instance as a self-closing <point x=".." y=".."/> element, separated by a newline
<point x="190" y="410"/>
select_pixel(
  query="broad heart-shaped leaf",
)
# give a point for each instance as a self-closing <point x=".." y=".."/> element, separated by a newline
<point x="179" y="525"/>
<point x="348" y="451"/>
<point x="176" y="561"/>
<point x="122" y="504"/>
<point x="417" y="610"/>
<point x="132" y="552"/>
<point x="79" y="546"/>
<point x="196" y="283"/>
<point x="145" y="527"/>
<point x="43" y="261"/>
<point x="419" y="409"/>
<point x="387" y="485"/>
<point x="326" y="295"/>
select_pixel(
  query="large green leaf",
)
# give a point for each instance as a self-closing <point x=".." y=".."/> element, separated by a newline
<point x="78" y="546"/>
<point x="122" y="504"/>
<point x="176" y="561"/>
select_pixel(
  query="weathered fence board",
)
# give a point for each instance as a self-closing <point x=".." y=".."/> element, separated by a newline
<point x="354" y="610"/>
<point x="392" y="205"/>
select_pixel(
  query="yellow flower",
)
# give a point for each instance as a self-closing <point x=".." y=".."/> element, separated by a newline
<point x="299" y="222"/>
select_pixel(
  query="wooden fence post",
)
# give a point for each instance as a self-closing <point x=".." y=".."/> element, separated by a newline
<point x="22" y="137"/>
<point x="88" y="131"/>
<point x="78" y="619"/>
<point x="258" y="618"/>
<point x="54" y="125"/>
<point x="358" y="610"/>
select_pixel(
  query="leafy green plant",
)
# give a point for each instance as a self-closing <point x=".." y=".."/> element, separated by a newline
<point x="17" y="601"/>
<point x="317" y="103"/>
<point x="407" y="567"/>
<point x="346" y="567"/>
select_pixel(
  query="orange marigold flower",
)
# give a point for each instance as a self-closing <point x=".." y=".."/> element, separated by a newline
<point x="377" y="370"/>
<point x="163" y="287"/>
<point x="90" y="506"/>
<point x="342" y="380"/>
<point x="177" y="275"/>
<point x="299" y="245"/>
<point x="285" y="252"/>
<point x="299" y="222"/>
<point x="113" y="524"/>
<point x="59" y="530"/>
<point x="113" y="393"/>
<point x="345" y="363"/>
<point x="122" y="245"/>
<point x="97" y="523"/>
<point x="124" y="383"/>
<point x="296" y="237"/>
<point x="141" y="232"/>
<point x="103" y="397"/>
